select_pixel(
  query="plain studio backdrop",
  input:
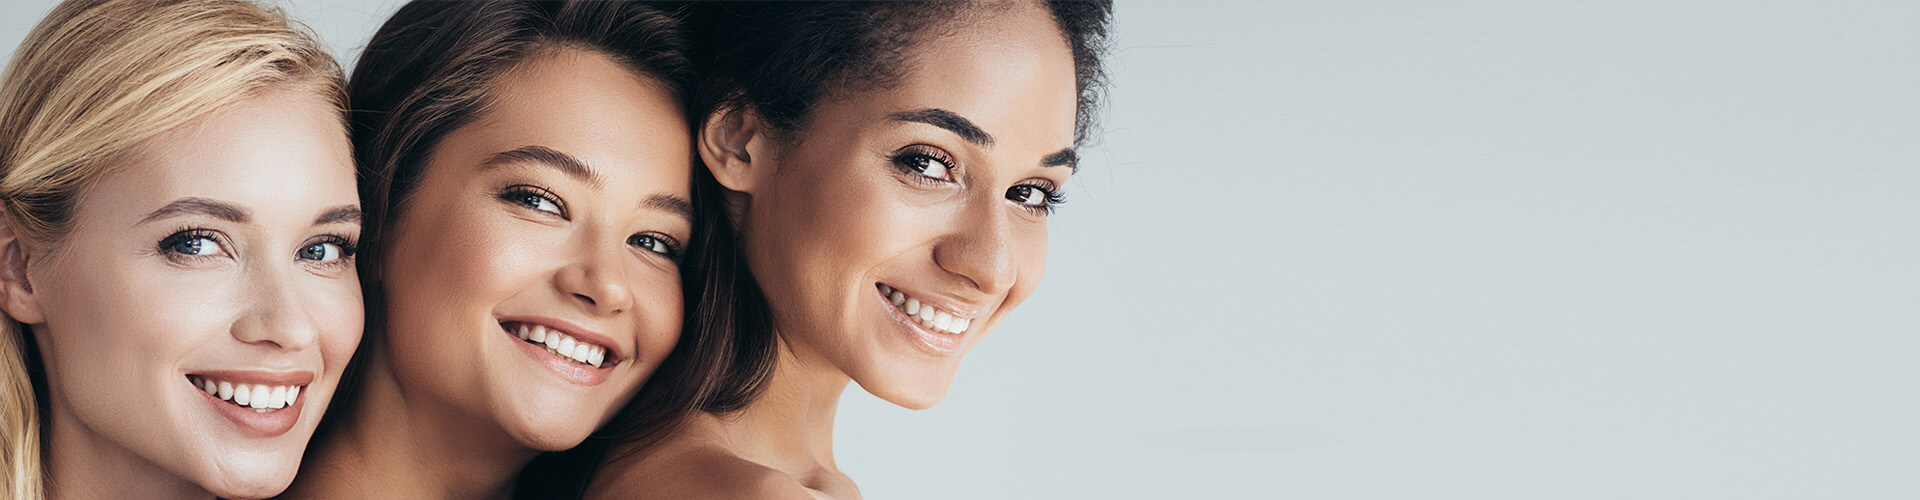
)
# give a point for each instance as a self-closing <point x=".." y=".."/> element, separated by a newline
<point x="1460" y="250"/>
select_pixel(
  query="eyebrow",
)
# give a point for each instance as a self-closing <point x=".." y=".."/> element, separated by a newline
<point x="199" y="206"/>
<point x="340" y="214"/>
<point x="669" y="203"/>
<point x="1063" y="158"/>
<point x="545" y="156"/>
<point x="955" y="123"/>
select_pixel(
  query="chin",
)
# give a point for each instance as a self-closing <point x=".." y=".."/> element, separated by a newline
<point x="251" y="484"/>
<point x="911" y="394"/>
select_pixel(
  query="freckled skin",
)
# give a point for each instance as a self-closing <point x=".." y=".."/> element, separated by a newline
<point x="121" y="321"/>
<point x="829" y="218"/>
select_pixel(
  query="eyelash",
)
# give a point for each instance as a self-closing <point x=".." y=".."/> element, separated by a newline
<point x="1052" y="198"/>
<point x="169" y="246"/>
<point x="672" y="248"/>
<point x="518" y="194"/>
<point x="913" y="160"/>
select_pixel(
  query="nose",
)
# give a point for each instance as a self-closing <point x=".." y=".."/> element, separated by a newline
<point x="278" y="315"/>
<point x="980" y="249"/>
<point x="597" y="280"/>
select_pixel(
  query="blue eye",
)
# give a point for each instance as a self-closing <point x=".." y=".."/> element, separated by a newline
<point x="323" y="252"/>
<point x="192" y="243"/>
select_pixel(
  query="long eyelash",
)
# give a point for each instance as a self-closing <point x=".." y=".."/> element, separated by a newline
<point x="901" y="159"/>
<point x="186" y="233"/>
<point x="1055" y="198"/>
<point x="509" y="193"/>
<point x="349" y="245"/>
<point x="675" y="250"/>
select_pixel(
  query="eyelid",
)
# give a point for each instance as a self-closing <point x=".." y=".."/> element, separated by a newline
<point x="901" y="156"/>
<point x="560" y="205"/>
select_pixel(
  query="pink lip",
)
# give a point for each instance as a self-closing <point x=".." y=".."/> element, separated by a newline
<point x="577" y="373"/>
<point x="936" y="343"/>
<point x="254" y="423"/>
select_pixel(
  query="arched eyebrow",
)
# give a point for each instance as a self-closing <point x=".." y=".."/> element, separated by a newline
<point x="200" y="206"/>
<point x="542" y="155"/>
<point x="949" y="120"/>
<point x="1063" y="158"/>
<point x="341" y="214"/>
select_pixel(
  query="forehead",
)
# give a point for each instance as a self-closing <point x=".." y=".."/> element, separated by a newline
<point x="1007" y="69"/>
<point x="588" y="105"/>
<point x="276" y="150"/>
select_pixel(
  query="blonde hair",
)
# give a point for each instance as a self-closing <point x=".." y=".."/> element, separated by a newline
<point x="94" y="79"/>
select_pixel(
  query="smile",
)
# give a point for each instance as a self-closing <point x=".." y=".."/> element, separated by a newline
<point x="925" y="314"/>
<point x="261" y="398"/>
<point x="555" y="341"/>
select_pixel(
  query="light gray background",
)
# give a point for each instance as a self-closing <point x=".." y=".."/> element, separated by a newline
<point x="1461" y="250"/>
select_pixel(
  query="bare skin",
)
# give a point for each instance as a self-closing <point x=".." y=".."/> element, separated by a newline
<point x="561" y="207"/>
<point x="934" y="189"/>
<point x="219" y="250"/>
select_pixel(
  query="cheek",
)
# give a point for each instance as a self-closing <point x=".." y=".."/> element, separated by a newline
<point x="340" y="330"/>
<point x="659" y="318"/>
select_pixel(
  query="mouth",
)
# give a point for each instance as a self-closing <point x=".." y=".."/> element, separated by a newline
<point x="567" y="347"/>
<point x="926" y="315"/>
<point x="261" y="398"/>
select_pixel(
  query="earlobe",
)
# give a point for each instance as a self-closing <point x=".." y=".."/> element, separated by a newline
<point x="16" y="290"/>
<point x="727" y="141"/>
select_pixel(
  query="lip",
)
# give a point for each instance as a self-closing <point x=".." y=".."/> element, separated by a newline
<point x="939" y="344"/>
<point x="566" y="369"/>
<point x="250" y="422"/>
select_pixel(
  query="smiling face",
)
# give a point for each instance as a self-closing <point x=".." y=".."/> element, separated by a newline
<point x="215" y="256"/>
<point x="533" y="280"/>
<point x="906" y="222"/>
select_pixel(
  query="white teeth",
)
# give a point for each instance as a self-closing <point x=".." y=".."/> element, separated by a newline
<point x="925" y="314"/>
<point x="563" y="345"/>
<point x="257" y="397"/>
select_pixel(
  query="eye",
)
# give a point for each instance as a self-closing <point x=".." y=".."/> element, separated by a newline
<point x="925" y="161"/>
<point x="653" y="243"/>
<point x="1035" y="197"/>
<point x="331" y="250"/>
<point x="192" y="243"/>
<point x="536" y="198"/>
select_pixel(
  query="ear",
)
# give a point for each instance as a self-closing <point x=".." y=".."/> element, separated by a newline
<point x="730" y="141"/>
<point x="16" y="292"/>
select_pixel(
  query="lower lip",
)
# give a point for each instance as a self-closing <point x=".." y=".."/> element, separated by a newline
<point x="936" y="343"/>
<point x="258" y="424"/>
<point x="568" y="370"/>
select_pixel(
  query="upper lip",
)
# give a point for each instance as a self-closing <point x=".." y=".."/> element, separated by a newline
<point x="580" y="332"/>
<point x="262" y="377"/>
<point x="957" y="308"/>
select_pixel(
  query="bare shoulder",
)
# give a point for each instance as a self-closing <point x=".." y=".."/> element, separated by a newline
<point x="692" y="470"/>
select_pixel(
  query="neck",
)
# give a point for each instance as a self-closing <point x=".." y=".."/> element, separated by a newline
<point x="396" y="444"/>
<point x="84" y="465"/>
<point x="790" y="427"/>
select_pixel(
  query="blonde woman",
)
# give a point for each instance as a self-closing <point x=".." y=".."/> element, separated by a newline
<point x="177" y="217"/>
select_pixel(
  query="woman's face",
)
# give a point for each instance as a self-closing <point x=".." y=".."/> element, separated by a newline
<point x="907" y="222"/>
<point x="558" y="216"/>
<point x="199" y="314"/>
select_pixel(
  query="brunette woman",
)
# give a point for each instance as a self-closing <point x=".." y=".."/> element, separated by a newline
<point x="527" y="181"/>
<point x="890" y="167"/>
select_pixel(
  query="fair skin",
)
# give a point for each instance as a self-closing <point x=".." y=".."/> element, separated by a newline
<point x="220" y="252"/>
<point x="935" y="189"/>
<point x="560" y="209"/>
